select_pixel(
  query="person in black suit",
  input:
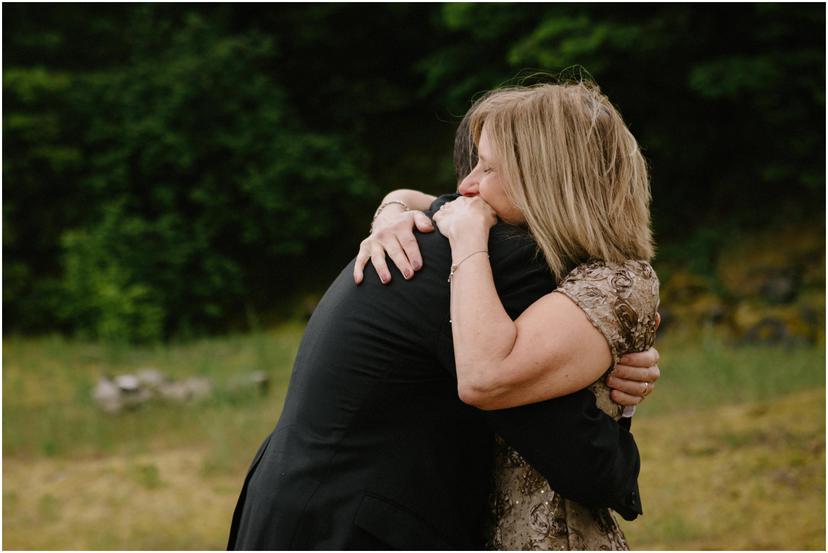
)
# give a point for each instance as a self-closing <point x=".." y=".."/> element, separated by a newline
<point x="375" y="450"/>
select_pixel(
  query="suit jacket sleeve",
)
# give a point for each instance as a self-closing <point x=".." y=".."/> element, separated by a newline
<point x="582" y="452"/>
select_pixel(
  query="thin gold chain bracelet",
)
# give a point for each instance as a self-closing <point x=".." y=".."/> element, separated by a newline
<point x="456" y="266"/>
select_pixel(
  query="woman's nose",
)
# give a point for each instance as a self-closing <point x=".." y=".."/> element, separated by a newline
<point x="468" y="186"/>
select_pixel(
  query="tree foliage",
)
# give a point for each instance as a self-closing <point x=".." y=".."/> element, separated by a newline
<point x="171" y="168"/>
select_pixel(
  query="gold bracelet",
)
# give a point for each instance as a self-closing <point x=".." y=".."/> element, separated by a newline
<point x="386" y="204"/>
<point x="457" y="265"/>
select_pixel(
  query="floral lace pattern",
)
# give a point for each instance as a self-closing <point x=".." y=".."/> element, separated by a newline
<point x="620" y="299"/>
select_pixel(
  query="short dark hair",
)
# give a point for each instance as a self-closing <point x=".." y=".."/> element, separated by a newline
<point x="465" y="150"/>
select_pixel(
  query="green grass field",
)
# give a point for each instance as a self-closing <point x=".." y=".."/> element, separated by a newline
<point x="732" y="442"/>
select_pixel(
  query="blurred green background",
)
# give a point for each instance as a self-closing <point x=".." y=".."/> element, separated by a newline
<point x="182" y="181"/>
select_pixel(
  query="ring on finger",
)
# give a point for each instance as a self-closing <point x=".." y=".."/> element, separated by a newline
<point x="647" y="389"/>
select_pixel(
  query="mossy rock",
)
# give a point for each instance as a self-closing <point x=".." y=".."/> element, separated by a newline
<point x="811" y="306"/>
<point x="756" y="323"/>
<point x="774" y="264"/>
<point x="705" y="308"/>
<point x="683" y="287"/>
<point x="813" y="272"/>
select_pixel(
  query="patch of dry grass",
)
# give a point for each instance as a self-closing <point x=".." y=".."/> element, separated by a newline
<point x="163" y="500"/>
<point x="733" y="448"/>
<point x="748" y="476"/>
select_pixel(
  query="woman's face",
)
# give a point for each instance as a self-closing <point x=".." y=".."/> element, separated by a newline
<point x="485" y="181"/>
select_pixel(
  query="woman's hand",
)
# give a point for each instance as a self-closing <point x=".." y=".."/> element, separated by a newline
<point x="392" y="233"/>
<point x="465" y="216"/>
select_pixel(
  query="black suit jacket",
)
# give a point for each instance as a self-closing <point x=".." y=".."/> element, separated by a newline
<point x="373" y="441"/>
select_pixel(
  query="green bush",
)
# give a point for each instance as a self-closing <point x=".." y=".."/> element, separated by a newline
<point x="196" y="178"/>
<point x="244" y="147"/>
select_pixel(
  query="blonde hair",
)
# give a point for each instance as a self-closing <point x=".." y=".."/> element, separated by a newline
<point x="569" y="163"/>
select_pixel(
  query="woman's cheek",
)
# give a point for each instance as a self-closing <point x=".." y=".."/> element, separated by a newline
<point x="490" y="197"/>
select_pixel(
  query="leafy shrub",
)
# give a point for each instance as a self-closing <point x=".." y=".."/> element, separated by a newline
<point x="197" y="177"/>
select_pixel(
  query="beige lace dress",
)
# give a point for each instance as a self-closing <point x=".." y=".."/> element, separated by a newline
<point x="621" y="301"/>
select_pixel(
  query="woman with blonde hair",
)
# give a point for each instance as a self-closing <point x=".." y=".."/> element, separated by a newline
<point x="558" y="162"/>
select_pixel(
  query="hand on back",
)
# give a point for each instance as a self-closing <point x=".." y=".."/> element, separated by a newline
<point x="633" y="378"/>
<point x="392" y="233"/>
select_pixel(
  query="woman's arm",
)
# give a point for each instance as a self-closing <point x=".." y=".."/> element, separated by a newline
<point x="392" y="233"/>
<point x="551" y="350"/>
